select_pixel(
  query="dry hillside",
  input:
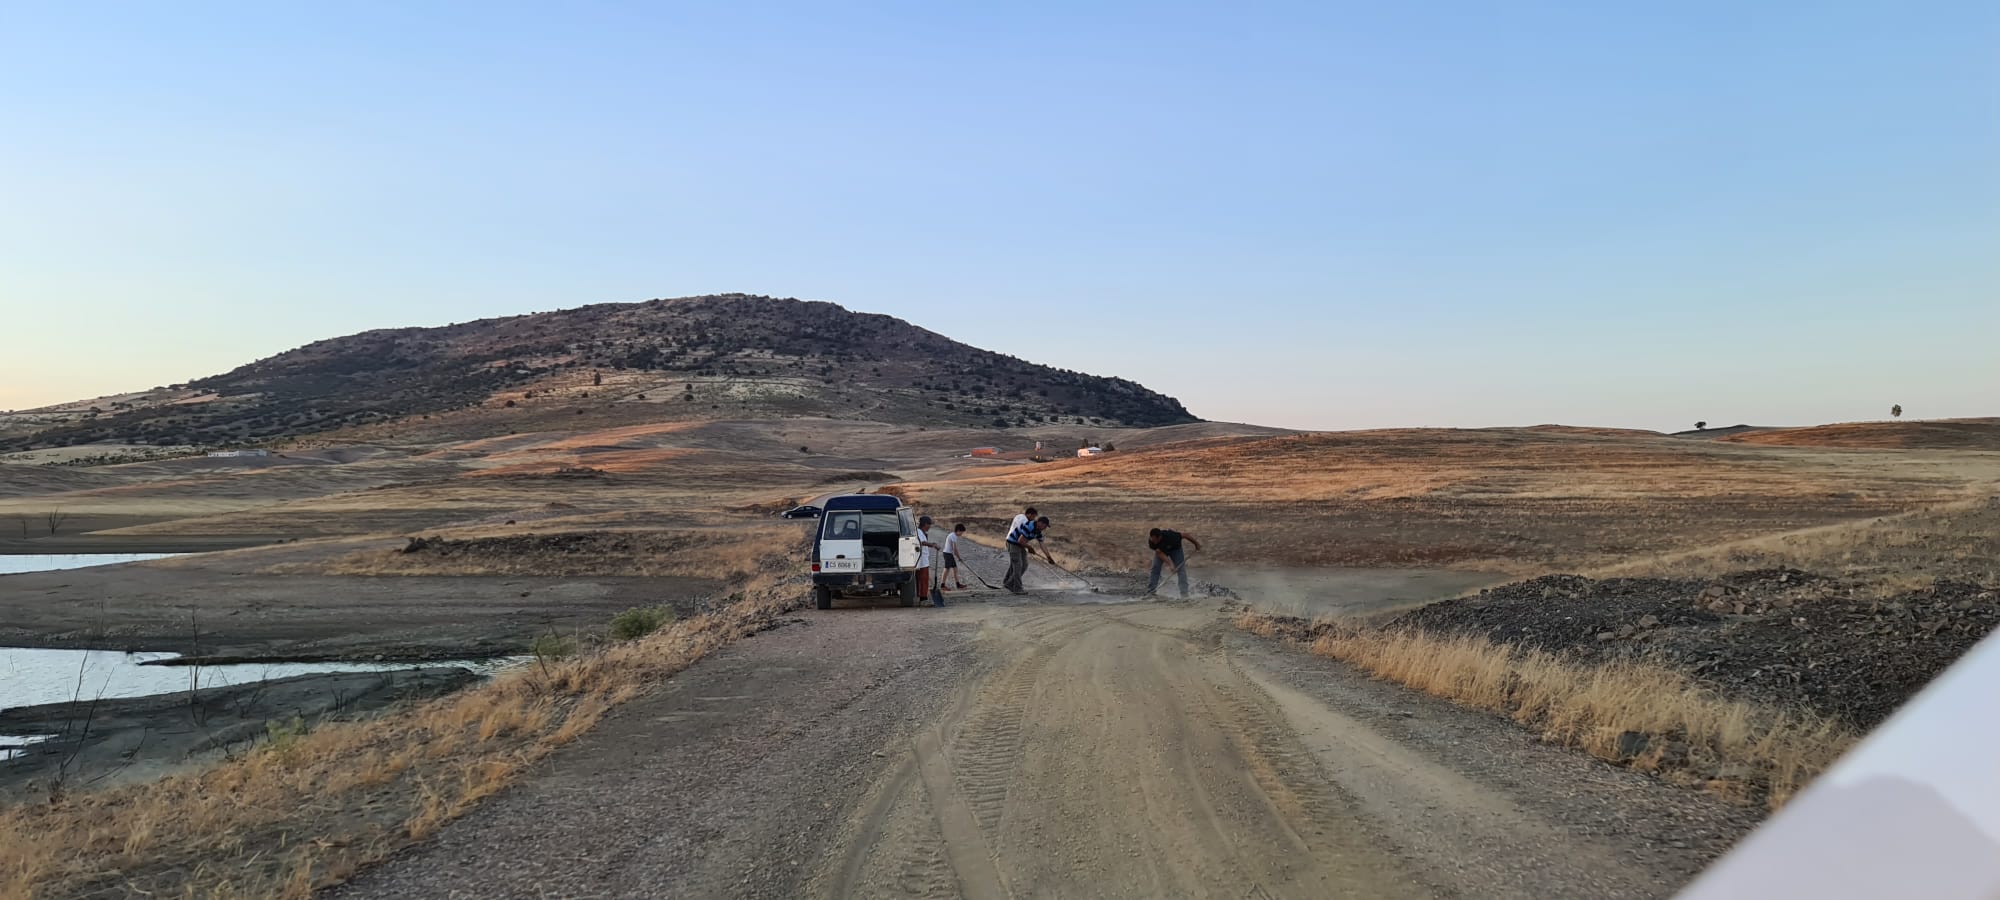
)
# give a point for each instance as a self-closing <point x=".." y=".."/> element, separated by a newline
<point x="1942" y="434"/>
<point x="713" y="357"/>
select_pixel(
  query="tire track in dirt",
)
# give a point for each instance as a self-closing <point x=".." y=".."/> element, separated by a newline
<point x="1110" y="751"/>
<point x="987" y="748"/>
<point x="1325" y="823"/>
<point x="950" y="789"/>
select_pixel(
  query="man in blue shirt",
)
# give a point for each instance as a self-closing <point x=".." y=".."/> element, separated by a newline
<point x="1018" y="547"/>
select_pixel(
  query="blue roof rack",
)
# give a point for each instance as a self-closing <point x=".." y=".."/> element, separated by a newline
<point x="864" y="501"/>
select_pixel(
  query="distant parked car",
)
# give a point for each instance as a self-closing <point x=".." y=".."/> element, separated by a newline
<point x="801" y="512"/>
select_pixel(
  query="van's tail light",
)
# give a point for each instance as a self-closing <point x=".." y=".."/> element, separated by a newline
<point x="815" y="567"/>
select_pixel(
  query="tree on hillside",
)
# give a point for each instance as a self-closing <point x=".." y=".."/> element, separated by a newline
<point x="1701" y="426"/>
<point x="1896" y="411"/>
<point x="56" y="518"/>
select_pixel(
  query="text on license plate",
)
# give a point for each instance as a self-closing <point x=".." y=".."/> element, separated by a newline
<point x="840" y="565"/>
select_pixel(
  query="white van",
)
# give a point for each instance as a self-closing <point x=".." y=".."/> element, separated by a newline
<point x="867" y="546"/>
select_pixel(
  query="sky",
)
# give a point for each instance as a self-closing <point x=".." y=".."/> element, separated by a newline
<point x="1315" y="214"/>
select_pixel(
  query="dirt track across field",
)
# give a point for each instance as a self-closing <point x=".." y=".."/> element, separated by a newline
<point x="1058" y="744"/>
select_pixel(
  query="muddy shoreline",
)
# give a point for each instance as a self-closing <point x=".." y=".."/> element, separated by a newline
<point x="211" y="612"/>
<point x="98" y="543"/>
<point x="108" y="742"/>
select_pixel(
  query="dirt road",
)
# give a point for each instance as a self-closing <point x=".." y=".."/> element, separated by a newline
<point x="1061" y="744"/>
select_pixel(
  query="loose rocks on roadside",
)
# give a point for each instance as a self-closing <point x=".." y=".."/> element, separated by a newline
<point x="1779" y="636"/>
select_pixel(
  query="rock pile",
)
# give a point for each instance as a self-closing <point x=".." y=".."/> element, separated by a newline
<point x="1779" y="636"/>
<point x="520" y="546"/>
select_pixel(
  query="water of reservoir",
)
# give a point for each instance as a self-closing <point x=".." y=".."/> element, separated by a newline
<point x="32" y="676"/>
<point x="49" y="562"/>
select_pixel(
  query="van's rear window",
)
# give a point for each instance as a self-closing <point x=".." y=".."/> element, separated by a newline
<point x="848" y="524"/>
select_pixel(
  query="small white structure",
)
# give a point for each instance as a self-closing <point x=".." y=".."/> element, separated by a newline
<point x="236" y="454"/>
<point x="1091" y="451"/>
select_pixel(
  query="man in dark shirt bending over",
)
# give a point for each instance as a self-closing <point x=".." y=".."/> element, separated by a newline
<point x="1166" y="546"/>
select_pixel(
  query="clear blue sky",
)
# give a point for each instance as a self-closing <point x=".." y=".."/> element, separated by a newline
<point x="1314" y="214"/>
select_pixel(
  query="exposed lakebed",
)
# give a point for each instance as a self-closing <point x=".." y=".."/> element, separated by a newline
<point x="99" y="717"/>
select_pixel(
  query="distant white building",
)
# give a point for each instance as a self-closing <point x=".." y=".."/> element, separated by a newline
<point x="235" y="454"/>
<point x="1090" y="451"/>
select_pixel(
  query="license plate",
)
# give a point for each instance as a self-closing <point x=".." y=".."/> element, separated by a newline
<point x="840" y="565"/>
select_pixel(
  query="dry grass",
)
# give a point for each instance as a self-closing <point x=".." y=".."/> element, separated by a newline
<point x="1735" y="749"/>
<point x="346" y="794"/>
<point x="1519" y="463"/>
<point x="1939" y="434"/>
<point x="1884" y="556"/>
<point x="1519" y="501"/>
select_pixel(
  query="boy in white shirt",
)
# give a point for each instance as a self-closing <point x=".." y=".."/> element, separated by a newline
<point x="951" y="572"/>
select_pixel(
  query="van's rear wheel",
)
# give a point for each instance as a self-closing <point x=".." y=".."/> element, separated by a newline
<point x="823" y="597"/>
<point x="909" y="594"/>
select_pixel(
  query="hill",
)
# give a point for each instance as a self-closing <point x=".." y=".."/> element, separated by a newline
<point x="1719" y="432"/>
<point x="710" y="357"/>
<point x="1940" y="434"/>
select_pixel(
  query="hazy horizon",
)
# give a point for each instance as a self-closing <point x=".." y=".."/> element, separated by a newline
<point x="1304" y="215"/>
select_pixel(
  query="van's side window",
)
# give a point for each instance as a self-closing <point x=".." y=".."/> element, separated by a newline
<point x="909" y="524"/>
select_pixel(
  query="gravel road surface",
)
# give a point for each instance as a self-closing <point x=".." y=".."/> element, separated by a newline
<point x="1064" y="744"/>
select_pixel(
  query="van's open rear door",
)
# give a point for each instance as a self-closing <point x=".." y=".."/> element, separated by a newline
<point x="907" y="550"/>
<point x="840" y="541"/>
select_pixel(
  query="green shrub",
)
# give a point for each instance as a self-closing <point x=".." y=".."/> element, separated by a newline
<point x="284" y="735"/>
<point x="639" y="621"/>
<point x="553" y="646"/>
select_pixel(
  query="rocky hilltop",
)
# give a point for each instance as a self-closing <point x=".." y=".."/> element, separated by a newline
<point x="721" y="356"/>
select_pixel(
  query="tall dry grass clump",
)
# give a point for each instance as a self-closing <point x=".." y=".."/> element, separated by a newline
<point x="1636" y="714"/>
<point x="282" y="821"/>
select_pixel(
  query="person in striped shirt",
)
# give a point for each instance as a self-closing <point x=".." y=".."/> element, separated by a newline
<point x="1018" y="548"/>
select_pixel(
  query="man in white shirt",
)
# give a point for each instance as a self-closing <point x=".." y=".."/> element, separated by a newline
<point x="925" y="559"/>
<point x="1022" y="519"/>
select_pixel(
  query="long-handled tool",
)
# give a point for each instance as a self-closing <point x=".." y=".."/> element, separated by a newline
<point x="1086" y="582"/>
<point x="975" y="575"/>
<point x="966" y="564"/>
<point x="1170" y="571"/>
